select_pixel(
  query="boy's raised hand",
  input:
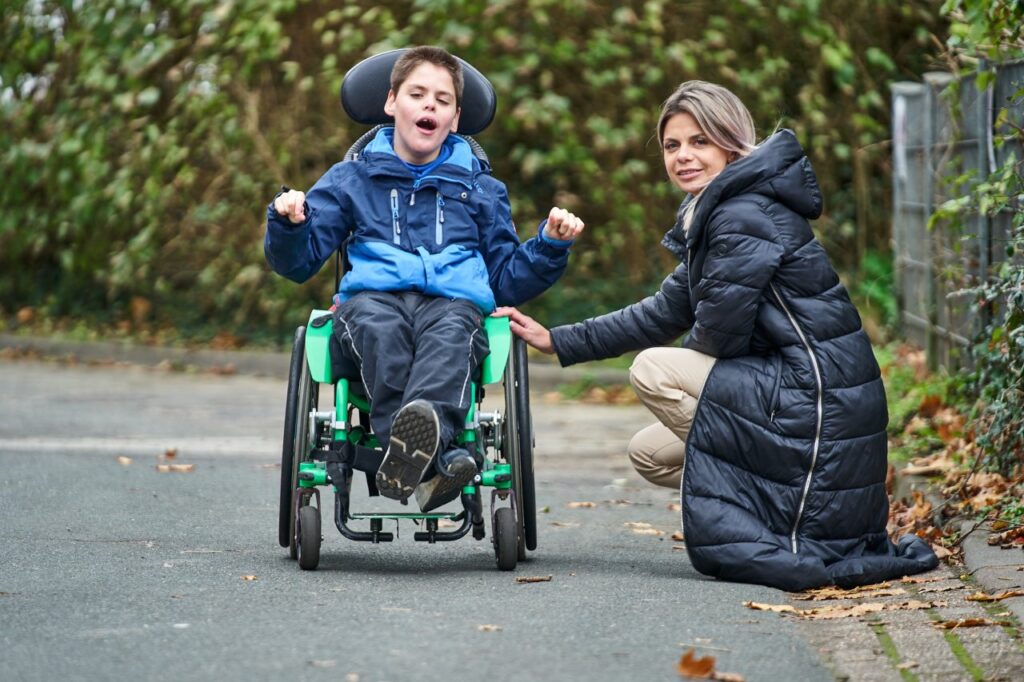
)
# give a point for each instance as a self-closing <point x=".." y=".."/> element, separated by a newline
<point x="562" y="225"/>
<point x="292" y="205"/>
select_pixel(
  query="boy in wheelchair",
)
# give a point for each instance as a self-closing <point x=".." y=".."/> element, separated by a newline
<point x="432" y="249"/>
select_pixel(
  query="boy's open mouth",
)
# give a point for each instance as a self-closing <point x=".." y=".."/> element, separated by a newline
<point x="426" y="124"/>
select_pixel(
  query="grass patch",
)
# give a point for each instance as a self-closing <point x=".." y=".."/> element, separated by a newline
<point x="891" y="652"/>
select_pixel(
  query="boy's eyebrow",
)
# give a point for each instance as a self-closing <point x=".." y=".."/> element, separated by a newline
<point x="420" y="86"/>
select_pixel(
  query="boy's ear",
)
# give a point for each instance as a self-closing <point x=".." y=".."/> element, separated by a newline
<point x="389" y="104"/>
<point x="455" y="121"/>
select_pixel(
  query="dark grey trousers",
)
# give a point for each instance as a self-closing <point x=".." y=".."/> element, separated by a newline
<point x="409" y="346"/>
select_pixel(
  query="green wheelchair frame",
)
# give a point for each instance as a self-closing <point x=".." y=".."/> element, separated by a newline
<point x="326" y="447"/>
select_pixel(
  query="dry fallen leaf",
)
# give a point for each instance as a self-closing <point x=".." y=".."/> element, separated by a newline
<point x="489" y="628"/>
<point x="777" y="608"/>
<point x="170" y="453"/>
<point x="845" y="610"/>
<point x="945" y="588"/>
<point x="967" y="623"/>
<point x="124" y="461"/>
<point x="915" y="581"/>
<point x="248" y="577"/>
<point x="981" y="596"/>
<point x="175" y="468"/>
<point x="641" y="528"/>
<point x="581" y="505"/>
<point x="678" y="536"/>
<point x="327" y="663"/>
<point x="691" y="666"/>
<point x="533" y="579"/>
<point x="907" y="665"/>
<point x="864" y="592"/>
<point x="565" y="524"/>
<point x="678" y="548"/>
<point x="673" y="506"/>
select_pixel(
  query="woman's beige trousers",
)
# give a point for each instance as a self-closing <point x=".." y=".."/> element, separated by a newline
<point x="669" y="382"/>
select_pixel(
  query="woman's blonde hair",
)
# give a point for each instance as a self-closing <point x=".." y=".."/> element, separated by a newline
<point x="718" y="112"/>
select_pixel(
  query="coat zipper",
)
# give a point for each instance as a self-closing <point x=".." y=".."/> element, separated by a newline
<point x="396" y="229"/>
<point x="817" y="429"/>
<point x="439" y="219"/>
<point x="774" y="405"/>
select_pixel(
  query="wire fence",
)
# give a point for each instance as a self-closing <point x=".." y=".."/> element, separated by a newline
<point x="943" y="129"/>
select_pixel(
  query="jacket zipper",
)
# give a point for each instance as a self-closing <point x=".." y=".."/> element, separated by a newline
<point x="439" y="219"/>
<point x="396" y="229"/>
<point x="817" y="429"/>
<point x="774" y="405"/>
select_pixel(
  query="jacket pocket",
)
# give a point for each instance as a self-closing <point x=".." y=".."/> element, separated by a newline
<point x="773" y="405"/>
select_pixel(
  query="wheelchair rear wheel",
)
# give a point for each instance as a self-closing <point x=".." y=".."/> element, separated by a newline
<point x="518" y="439"/>
<point x="301" y="397"/>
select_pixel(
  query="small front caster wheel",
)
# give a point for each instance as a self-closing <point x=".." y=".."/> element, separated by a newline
<point x="506" y="539"/>
<point x="308" y="535"/>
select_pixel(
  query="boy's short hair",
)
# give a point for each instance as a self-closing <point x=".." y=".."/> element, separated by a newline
<point x="415" y="56"/>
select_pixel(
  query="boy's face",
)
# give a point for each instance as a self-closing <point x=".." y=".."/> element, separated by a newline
<point x="424" y="111"/>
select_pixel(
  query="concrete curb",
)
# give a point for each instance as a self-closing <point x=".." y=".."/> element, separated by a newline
<point x="543" y="376"/>
<point x="993" y="569"/>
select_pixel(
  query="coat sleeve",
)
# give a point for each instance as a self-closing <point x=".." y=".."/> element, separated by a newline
<point x="742" y="256"/>
<point x="518" y="271"/>
<point x="298" y="251"/>
<point x="654" y="321"/>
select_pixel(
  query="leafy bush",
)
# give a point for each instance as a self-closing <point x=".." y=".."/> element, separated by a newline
<point x="141" y="141"/>
<point x="993" y="30"/>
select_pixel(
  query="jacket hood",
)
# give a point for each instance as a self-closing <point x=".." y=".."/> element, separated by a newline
<point x="460" y="164"/>
<point x="777" y="169"/>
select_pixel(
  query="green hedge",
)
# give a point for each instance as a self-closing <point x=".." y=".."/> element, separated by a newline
<point x="141" y="141"/>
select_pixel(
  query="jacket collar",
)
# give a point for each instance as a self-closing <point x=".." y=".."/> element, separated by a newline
<point x="461" y="166"/>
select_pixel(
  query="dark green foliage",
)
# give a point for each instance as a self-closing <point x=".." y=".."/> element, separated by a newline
<point x="993" y="29"/>
<point x="141" y="141"/>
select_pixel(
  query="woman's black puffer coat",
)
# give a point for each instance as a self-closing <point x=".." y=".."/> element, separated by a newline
<point x="784" y="481"/>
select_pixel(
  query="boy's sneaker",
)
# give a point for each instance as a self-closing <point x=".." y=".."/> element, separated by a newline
<point x="414" y="437"/>
<point x="456" y="468"/>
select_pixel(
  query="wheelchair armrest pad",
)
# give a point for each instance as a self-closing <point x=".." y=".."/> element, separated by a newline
<point x="318" y="345"/>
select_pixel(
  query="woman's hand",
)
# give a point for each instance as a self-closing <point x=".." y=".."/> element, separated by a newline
<point x="528" y="329"/>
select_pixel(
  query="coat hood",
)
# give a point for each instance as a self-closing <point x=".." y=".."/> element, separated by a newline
<point x="778" y="169"/>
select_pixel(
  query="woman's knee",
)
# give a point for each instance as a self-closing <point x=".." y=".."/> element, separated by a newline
<point x="646" y="373"/>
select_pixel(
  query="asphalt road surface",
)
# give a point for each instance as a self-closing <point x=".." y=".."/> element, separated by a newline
<point x="113" y="570"/>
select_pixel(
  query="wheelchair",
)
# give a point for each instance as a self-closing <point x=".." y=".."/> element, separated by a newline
<point x="327" y="447"/>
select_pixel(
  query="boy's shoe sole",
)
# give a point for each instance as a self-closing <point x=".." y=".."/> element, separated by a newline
<point x="442" y="489"/>
<point x="414" y="438"/>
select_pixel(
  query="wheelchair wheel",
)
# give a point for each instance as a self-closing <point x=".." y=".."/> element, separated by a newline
<point x="518" y="439"/>
<point x="308" y="532"/>
<point x="302" y="395"/>
<point x="506" y="539"/>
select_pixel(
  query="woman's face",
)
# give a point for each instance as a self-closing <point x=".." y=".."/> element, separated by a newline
<point x="691" y="159"/>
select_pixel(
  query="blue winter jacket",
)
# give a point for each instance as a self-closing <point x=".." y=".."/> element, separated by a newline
<point x="448" y="233"/>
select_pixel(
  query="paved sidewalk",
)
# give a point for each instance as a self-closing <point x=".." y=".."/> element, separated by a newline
<point x="898" y="641"/>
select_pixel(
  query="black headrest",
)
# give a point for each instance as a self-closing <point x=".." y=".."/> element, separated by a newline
<point x="365" y="89"/>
